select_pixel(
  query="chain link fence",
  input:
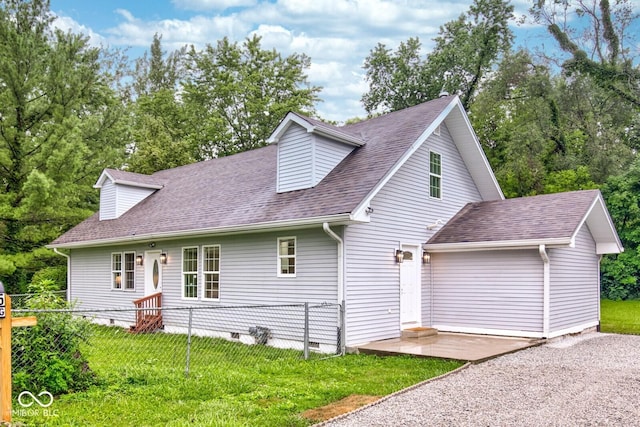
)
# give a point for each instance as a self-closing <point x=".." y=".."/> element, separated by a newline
<point x="18" y="301"/>
<point x="70" y="349"/>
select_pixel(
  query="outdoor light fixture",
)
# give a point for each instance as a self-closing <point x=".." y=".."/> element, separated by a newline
<point x="163" y="258"/>
<point x="139" y="260"/>
<point x="399" y="256"/>
<point x="426" y="257"/>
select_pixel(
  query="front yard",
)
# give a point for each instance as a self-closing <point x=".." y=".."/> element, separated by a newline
<point x="142" y="382"/>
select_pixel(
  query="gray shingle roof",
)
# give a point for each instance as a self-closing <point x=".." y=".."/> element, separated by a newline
<point x="133" y="178"/>
<point x="544" y="217"/>
<point x="240" y="190"/>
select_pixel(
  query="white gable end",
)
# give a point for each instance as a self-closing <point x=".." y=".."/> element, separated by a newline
<point x="304" y="158"/>
<point x="118" y="196"/>
<point x="116" y="199"/>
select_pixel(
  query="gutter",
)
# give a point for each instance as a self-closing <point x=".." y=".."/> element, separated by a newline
<point x="342" y="219"/>
<point x="68" y="272"/>
<point x="546" y="290"/>
<point x="499" y="244"/>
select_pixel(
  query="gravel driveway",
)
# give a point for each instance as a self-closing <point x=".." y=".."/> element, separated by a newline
<point x="591" y="379"/>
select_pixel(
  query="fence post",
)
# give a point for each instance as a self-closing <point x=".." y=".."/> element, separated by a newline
<point x="186" y="369"/>
<point x="5" y="357"/>
<point x="306" y="331"/>
<point x="6" y="323"/>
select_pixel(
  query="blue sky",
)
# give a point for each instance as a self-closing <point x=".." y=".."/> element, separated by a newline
<point x="336" y="34"/>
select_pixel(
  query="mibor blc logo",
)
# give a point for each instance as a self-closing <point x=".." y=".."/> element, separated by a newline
<point x="44" y="399"/>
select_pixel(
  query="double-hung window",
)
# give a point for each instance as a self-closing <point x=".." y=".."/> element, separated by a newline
<point x="211" y="271"/>
<point x="123" y="267"/>
<point x="435" y="175"/>
<point x="190" y="272"/>
<point x="286" y="256"/>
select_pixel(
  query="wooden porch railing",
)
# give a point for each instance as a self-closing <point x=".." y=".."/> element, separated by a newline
<point x="149" y="314"/>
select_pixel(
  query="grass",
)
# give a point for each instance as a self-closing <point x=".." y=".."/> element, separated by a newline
<point x="620" y="317"/>
<point x="142" y="383"/>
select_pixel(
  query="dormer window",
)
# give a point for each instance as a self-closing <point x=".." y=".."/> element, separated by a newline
<point x="308" y="150"/>
<point x="120" y="191"/>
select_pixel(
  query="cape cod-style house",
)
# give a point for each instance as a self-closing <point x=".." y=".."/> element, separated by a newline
<point x="400" y="217"/>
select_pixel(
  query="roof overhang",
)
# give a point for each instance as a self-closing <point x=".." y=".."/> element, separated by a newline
<point x="467" y="143"/>
<point x="106" y="175"/>
<point x="333" y="220"/>
<point x="601" y="227"/>
<point x="498" y="245"/>
<point x="326" y="131"/>
<point x="596" y="218"/>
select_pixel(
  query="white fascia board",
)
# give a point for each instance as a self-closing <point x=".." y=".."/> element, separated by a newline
<point x="364" y="204"/>
<point x="612" y="244"/>
<point x="495" y="245"/>
<point x="103" y="176"/>
<point x="334" y="134"/>
<point x="138" y="184"/>
<point x="284" y="125"/>
<point x="608" y="248"/>
<point x="479" y="153"/>
<point x="339" y="136"/>
<point x="342" y="219"/>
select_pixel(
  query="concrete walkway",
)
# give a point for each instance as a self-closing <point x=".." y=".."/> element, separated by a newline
<point x="587" y="380"/>
<point x="465" y="347"/>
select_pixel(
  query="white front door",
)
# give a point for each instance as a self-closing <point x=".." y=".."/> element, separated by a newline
<point x="152" y="272"/>
<point x="410" y="304"/>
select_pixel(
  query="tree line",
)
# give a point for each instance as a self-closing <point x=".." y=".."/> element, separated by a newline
<point x="548" y="122"/>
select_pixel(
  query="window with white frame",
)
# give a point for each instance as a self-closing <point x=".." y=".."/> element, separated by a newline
<point x="286" y="256"/>
<point x="190" y="272"/>
<point x="211" y="271"/>
<point x="435" y="175"/>
<point x="123" y="269"/>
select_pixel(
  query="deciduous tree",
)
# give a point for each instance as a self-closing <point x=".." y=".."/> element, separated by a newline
<point x="236" y="94"/>
<point x="60" y="124"/>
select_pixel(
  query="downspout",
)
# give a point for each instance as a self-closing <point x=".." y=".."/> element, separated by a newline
<point x="546" y="290"/>
<point x="341" y="294"/>
<point x="68" y="272"/>
<point x="599" y="293"/>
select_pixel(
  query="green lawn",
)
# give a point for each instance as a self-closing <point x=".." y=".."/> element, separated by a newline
<point x="142" y="383"/>
<point x="621" y="317"/>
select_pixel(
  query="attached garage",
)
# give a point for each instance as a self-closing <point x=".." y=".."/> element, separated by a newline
<point x="521" y="267"/>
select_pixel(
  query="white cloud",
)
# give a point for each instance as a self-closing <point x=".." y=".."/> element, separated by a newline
<point x="198" y="30"/>
<point x="336" y="34"/>
<point x="66" y="24"/>
<point x="202" y="5"/>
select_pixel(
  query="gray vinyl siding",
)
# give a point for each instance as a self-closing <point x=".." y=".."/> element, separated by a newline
<point x="327" y="154"/>
<point x="401" y="212"/>
<point x="108" y="200"/>
<point x="488" y="290"/>
<point x="305" y="159"/>
<point x="248" y="276"/>
<point x="574" y="293"/>
<point x="91" y="281"/>
<point x="116" y="199"/>
<point x="128" y="196"/>
<point x="295" y="160"/>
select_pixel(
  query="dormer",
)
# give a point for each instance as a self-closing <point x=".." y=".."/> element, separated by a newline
<point x="120" y="191"/>
<point x="308" y="150"/>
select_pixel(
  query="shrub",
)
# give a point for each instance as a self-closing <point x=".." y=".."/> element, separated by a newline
<point x="47" y="356"/>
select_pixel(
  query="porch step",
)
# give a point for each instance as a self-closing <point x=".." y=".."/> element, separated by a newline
<point x="149" y="323"/>
<point x="419" y="332"/>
